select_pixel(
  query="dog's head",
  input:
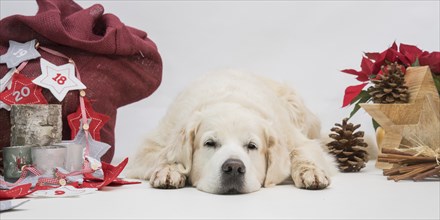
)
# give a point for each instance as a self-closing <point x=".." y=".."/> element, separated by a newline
<point x="231" y="149"/>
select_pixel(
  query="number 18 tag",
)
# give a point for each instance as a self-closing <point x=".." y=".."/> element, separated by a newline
<point x="58" y="79"/>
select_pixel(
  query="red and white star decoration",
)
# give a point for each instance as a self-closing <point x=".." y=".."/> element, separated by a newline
<point x="22" y="91"/>
<point x="5" y="82"/>
<point x="58" y="79"/>
<point x="96" y="123"/>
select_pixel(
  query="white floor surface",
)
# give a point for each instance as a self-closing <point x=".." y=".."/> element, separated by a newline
<point x="364" y="195"/>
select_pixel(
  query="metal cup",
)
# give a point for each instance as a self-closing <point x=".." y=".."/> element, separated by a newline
<point x="14" y="159"/>
<point x="74" y="156"/>
<point x="47" y="158"/>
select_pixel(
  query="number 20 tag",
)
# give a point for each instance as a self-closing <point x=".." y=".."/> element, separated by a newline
<point x="22" y="91"/>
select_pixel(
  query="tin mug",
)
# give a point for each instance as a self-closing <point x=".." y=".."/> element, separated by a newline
<point x="14" y="159"/>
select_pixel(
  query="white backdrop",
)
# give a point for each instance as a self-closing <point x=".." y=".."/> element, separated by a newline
<point x="305" y="44"/>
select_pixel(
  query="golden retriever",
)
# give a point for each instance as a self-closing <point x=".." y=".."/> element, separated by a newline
<point x="233" y="132"/>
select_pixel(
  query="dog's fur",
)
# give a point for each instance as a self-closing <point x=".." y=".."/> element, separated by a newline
<point x="261" y="124"/>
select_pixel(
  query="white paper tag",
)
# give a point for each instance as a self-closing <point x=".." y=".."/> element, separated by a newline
<point x="63" y="191"/>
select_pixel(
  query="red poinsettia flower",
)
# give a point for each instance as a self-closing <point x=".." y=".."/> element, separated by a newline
<point x="389" y="55"/>
<point x="372" y="66"/>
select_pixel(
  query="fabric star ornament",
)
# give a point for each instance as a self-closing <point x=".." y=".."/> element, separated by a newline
<point x="5" y="82"/>
<point x="30" y="178"/>
<point x="3" y="105"/>
<point x="19" y="52"/>
<point x="111" y="174"/>
<point x="96" y="121"/>
<point x="22" y="91"/>
<point x="96" y="148"/>
<point x="16" y="192"/>
<point x="58" y="79"/>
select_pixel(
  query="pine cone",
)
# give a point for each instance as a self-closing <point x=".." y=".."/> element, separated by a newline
<point x="348" y="147"/>
<point x="390" y="87"/>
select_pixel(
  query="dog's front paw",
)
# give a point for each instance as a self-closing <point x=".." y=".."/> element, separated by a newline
<point x="308" y="176"/>
<point x="167" y="177"/>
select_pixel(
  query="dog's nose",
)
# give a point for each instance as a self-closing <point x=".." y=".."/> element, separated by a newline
<point x="233" y="167"/>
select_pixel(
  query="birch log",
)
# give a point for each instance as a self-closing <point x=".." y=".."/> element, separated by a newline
<point x="36" y="125"/>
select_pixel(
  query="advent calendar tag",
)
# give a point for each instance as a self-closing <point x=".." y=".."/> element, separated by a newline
<point x="62" y="191"/>
<point x="5" y="82"/>
<point x="22" y="91"/>
<point x="58" y="79"/>
<point x="18" y="52"/>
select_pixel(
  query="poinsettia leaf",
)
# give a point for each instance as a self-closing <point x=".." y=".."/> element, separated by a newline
<point x="402" y="58"/>
<point x="381" y="60"/>
<point x="363" y="97"/>
<point x="375" y="124"/>
<point x="363" y="78"/>
<point x="410" y="49"/>
<point x="437" y="82"/>
<point x="416" y="62"/>
<point x="372" y="55"/>
<point x="411" y="52"/>
<point x="367" y="66"/>
<point x="394" y="46"/>
<point x="351" y="71"/>
<point x="432" y="60"/>
<point x="351" y="92"/>
<point x="360" y="76"/>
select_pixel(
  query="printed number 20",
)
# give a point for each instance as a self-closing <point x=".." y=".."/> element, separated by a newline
<point x="23" y="93"/>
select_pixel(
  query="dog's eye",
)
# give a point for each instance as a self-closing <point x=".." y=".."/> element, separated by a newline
<point x="210" y="143"/>
<point x="252" y="146"/>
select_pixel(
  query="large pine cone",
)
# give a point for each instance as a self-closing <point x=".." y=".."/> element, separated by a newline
<point x="348" y="147"/>
<point x="390" y="87"/>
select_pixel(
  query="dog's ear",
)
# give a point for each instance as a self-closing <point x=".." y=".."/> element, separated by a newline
<point x="181" y="145"/>
<point x="278" y="160"/>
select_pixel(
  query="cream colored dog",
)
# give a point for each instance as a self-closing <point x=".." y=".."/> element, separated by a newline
<point x="232" y="132"/>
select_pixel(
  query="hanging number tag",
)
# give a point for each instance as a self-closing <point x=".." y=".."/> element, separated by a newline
<point x="58" y="79"/>
<point x="62" y="191"/>
<point x="22" y="91"/>
<point x="19" y="52"/>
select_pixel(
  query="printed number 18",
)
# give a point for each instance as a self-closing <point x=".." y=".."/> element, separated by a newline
<point x="60" y="79"/>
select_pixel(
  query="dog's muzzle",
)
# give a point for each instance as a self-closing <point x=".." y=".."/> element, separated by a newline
<point x="232" y="178"/>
